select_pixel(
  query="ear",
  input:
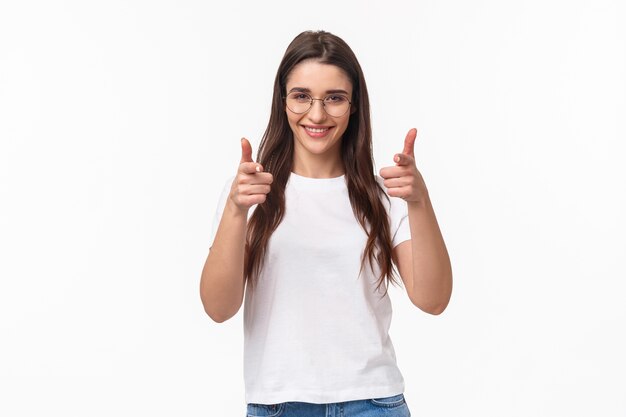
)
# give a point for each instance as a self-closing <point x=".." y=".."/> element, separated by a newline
<point x="352" y="109"/>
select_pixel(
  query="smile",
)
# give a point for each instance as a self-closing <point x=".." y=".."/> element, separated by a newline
<point x="316" y="130"/>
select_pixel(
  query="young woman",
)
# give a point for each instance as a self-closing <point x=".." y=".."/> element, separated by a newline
<point x="319" y="245"/>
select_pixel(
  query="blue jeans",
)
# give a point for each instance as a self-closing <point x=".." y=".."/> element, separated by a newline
<point x="394" y="406"/>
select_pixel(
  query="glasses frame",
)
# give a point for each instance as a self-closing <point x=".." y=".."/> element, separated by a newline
<point x="318" y="99"/>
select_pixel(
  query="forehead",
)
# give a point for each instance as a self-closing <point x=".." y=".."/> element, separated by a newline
<point x="318" y="77"/>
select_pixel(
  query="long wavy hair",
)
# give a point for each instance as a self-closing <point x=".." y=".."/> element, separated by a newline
<point x="276" y="153"/>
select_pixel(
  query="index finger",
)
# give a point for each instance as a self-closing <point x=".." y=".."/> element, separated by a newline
<point x="250" y="167"/>
<point x="403" y="159"/>
<point x="262" y="178"/>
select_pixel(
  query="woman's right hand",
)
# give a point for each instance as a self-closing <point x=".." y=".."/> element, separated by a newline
<point x="251" y="184"/>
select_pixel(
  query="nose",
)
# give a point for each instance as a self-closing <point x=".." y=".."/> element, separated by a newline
<point x="317" y="113"/>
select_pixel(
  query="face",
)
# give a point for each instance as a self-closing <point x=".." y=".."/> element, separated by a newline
<point x="315" y="132"/>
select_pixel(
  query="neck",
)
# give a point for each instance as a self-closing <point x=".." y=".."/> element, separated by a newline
<point x="318" y="166"/>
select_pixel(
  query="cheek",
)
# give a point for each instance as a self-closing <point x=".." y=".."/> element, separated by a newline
<point x="293" y="118"/>
<point x="344" y="125"/>
<point x="293" y="122"/>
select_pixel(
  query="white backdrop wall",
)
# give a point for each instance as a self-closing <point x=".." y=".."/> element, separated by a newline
<point x="120" y="122"/>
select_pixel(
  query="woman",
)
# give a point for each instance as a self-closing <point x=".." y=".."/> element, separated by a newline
<point x="321" y="242"/>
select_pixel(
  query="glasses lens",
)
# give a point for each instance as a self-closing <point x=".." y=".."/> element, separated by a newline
<point x="298" y="102"/>
<point x="336" y="105"/>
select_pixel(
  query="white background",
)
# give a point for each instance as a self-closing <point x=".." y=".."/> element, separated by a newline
<point x="121" y="120"/>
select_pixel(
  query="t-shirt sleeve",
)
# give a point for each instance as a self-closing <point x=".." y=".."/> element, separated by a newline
<point x="399" y="216"/>
<point x="221" y="203"/>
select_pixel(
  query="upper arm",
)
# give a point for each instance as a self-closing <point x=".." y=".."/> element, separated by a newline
<point x="403" y="258"/>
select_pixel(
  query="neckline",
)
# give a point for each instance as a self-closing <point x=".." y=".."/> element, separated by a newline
<point x="317" y="182"/>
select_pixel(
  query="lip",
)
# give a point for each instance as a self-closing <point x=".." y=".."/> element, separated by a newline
<point x="317" y="135"/>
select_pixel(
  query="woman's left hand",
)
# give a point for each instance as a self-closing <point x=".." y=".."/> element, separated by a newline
<point x="404" y="180"/>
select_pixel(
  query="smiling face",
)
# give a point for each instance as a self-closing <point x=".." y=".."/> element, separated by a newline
<point x="316" y="134"/>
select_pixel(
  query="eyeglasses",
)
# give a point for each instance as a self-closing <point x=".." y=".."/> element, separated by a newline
<point x="335" y="105"/>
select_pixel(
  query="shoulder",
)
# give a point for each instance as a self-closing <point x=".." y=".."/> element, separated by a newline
<point x="384" y="196"/>
<point x="396" y="207"/>
<point x="380" y="182"/>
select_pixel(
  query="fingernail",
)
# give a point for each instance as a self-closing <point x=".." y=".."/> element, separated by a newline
<point x="397" y="158"/>
<point x="258" y="168"/>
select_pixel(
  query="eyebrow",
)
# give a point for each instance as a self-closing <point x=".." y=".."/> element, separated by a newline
<point x="307" y="90"/>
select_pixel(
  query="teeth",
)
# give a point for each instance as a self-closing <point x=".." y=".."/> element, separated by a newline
<point x="310" y="129"/>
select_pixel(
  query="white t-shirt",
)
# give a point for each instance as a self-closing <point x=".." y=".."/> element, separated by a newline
<point x="314" y="330"/>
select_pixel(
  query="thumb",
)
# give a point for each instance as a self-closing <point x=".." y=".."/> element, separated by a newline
<point x="409" y="142"/>
<point x="246" y="151"/>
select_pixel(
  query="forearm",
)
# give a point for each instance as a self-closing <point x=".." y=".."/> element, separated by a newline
<point x="432" y="272"/>
<point x="222" y="282"/>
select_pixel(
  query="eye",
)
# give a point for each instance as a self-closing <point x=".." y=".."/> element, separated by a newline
<point x="335" y="99"/>
<point x="300" y="97"/>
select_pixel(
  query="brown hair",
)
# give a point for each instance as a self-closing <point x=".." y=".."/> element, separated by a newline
<point x="276" y="149"/>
